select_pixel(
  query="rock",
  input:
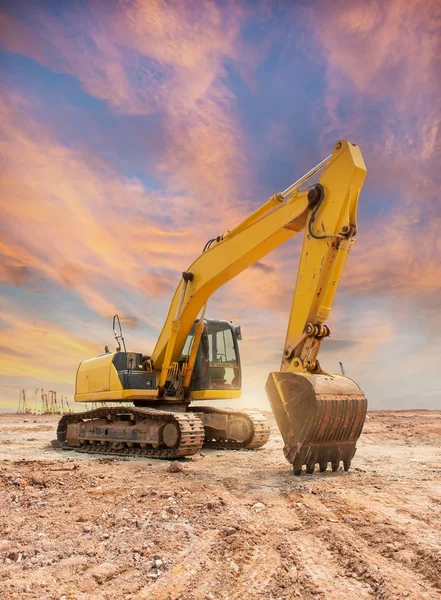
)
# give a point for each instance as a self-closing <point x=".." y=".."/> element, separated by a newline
<point x="258" y="507"/>
<point x="38" y="479"/>
<point x="123" y="515"/>
<point x="175" y="467"/>
<point x="103" y="572"/>
<point x="194" y="458"/>
<point x="18" y="481"/>
<point x="87" y="528"/>
<point x="158" y="563"/>
<point x="166" y="495"/>
<point x="153" y="575"/>
<point x="230" y="531"/>
<point x="234" y="567"/>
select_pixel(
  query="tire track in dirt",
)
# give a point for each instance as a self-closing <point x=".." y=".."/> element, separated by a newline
<point x="393" y="541"/>
<point x="362" y="558"/>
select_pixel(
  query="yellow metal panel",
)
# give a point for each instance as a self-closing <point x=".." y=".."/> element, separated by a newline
<point x="114" y="380"/>
<point x="322" y="260"/>
<point x="82" y="379"/>
<point x="97" y="375"/>
<point x="117" y="396"/>
<point x="215" y="394"/>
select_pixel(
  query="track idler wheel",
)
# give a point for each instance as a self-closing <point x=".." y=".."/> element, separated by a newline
<point x="320" y="418"/>
<point x="171" y="435"/>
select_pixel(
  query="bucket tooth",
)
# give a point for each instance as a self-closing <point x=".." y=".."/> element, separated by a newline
<point x="320" y="417"/>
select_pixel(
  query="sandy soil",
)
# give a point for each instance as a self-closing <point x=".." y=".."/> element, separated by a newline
<point x="232" y="525"/>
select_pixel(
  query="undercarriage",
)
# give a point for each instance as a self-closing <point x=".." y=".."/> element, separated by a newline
<point x="152" y="433"/>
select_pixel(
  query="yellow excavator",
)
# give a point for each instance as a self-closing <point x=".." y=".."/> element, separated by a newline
<point x="320" y="415"/>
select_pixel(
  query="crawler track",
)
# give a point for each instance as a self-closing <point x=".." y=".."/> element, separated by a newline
<point x="259" y="428"/>
<point x="191" y="433"/>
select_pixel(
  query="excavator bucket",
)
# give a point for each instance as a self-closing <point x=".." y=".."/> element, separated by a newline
<point x="320" y="418"/>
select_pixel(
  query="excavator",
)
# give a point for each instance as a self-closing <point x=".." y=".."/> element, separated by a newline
<point x="320" y="415"/>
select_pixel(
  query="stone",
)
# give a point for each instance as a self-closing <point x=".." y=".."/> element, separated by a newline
<point x="234" y="567"/>
<point x="104" y="572"/>
<point x="175" y="467"/>
<point x="153" y="575"/>
<point x="166" y="495"/>
<point x="258" y="507"/>
<point x="14" y="556"/>
<point x="38" y="480"/>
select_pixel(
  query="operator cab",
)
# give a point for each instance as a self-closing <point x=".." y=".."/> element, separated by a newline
<point x="217" y="365"/>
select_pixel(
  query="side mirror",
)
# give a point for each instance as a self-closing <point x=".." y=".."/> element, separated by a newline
<point x="238" y="332"/>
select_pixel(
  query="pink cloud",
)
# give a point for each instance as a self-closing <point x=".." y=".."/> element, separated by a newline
<point x="157" y="58"/>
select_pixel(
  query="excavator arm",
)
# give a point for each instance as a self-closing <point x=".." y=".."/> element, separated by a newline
<point x="319" y="415"/>
<point x="327" y="213"/>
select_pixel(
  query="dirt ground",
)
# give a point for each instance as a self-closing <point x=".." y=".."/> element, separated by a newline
<point x="233" y="525"/>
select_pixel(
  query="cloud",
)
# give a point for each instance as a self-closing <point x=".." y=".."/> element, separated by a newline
<point x="7" y="350"/>
<point x="260" y="266"/>
<point x="382" y="72"/>
<point x="156" y="59"/>
<point x="332" y="345"/>
<point x="70" y="219"/>
<point x="65" y="218"/>
<point x="39" y="348"/>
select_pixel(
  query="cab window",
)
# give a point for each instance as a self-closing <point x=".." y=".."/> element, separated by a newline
<point x="223" y="364"/>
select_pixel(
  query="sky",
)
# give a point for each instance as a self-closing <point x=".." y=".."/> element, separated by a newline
<point x="132" y="131"/>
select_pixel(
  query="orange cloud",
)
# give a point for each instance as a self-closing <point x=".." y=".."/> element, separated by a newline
<point x="61" y="219"/>
<point x="383" y="65"/>
<point x="388" y="53"/>
<point x="39" y="349"/>
<point x="156" y="58"/>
